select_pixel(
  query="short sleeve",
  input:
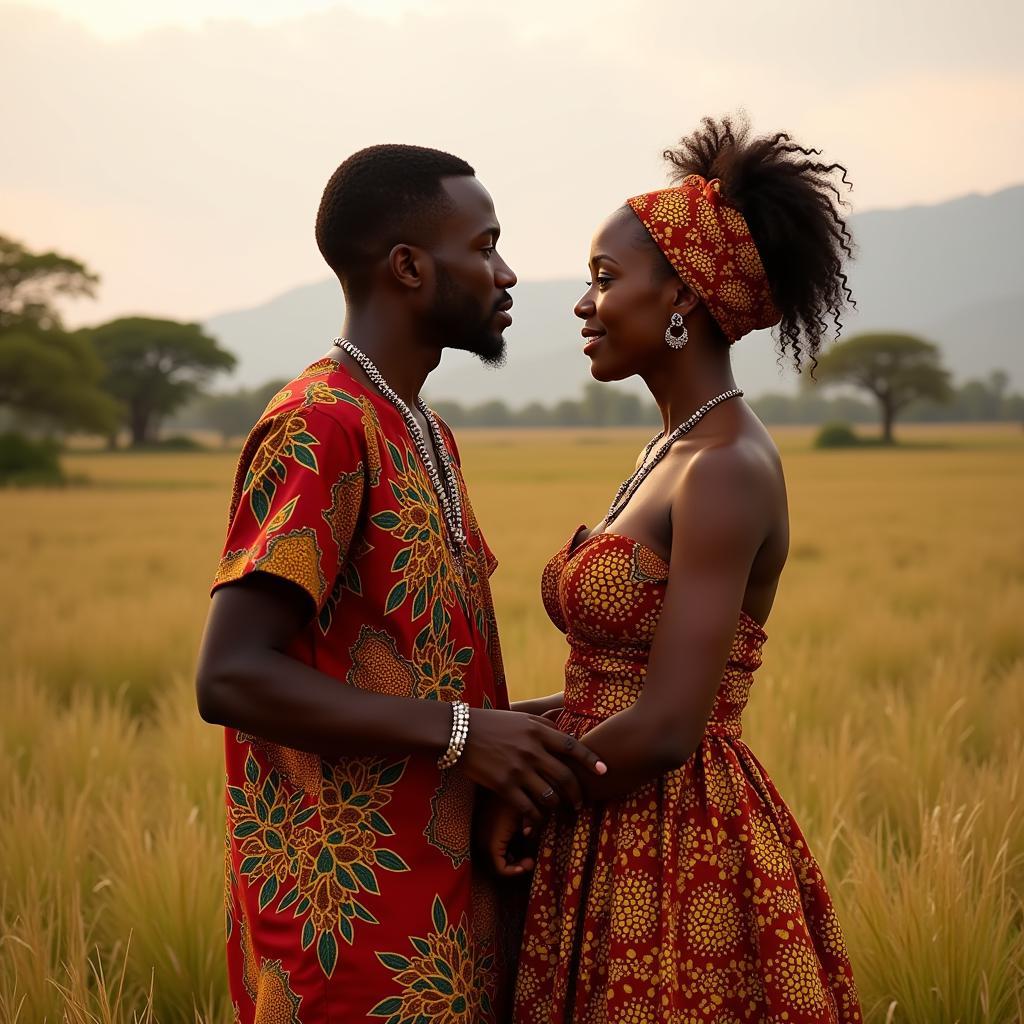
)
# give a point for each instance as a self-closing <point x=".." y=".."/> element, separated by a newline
<point x="297" y="501"/>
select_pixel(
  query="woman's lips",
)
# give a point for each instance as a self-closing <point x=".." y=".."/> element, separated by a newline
<point x="591" y="342"/>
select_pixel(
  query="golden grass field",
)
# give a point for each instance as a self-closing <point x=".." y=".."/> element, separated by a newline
<point x="888" y="710"/>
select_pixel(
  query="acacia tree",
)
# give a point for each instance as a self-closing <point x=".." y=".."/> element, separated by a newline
<point x="897" y="369"/>
<point x="155" y="366"/>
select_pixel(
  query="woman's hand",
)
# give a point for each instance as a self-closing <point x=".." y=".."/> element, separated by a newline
<point x="541" y="705"/>
<point x="500" y="835"/>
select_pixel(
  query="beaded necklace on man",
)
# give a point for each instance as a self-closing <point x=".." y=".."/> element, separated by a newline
<point x="632" y="483"/>
<point x="446" y="489"/>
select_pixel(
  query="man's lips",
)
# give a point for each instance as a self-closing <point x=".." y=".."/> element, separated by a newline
<point x="502" y="311"/>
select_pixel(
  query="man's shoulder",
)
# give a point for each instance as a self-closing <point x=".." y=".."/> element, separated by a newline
<point x="322" y="391"/>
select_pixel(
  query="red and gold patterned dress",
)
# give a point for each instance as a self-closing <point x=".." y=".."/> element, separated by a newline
<point x="694" y="899"/>
<point x="349" y="893"/>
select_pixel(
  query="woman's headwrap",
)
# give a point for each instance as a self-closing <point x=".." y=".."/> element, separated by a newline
<point x="710" y="247"/>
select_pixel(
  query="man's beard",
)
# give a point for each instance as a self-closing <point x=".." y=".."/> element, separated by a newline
<point x="460" y="322"/>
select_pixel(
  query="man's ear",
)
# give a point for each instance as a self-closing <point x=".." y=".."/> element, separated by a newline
<point x="685" y="299"/>
<point x="409" y="264"/>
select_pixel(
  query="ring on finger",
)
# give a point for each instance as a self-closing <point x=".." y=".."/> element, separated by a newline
<point x="547" y="794"/>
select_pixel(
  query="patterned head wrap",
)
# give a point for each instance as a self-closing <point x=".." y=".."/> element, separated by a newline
<point x="710" y="247"/>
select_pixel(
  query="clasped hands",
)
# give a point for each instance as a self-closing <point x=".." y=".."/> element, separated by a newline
<point x="529" y="767"/>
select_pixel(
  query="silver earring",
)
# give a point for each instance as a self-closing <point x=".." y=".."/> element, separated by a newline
<point x="680" y="339"/>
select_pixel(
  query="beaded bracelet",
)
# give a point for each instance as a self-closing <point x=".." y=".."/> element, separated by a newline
<point x="460" y="732"/>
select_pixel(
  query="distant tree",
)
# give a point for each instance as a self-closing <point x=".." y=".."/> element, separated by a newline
<point x="454" y="414"/>
<point x="494" y="413"/>
<point x="534" y="414"/>
<point x="567" y="413"/>
<point x="898" y="369"/>
<point x="153" y="367"/>
<point x="232" y="413"/>
<point x="31" y="282"/>
<point x="49" y="379"/>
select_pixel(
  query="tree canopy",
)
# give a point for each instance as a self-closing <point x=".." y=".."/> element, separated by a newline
<point x="48" y="378"/>
<point x="155" y="366"/>
<point x="897" y="369"/>
<point x="52" y="378"/>
<point x="31" y="282"/>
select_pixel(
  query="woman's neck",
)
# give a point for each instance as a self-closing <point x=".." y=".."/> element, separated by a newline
<point x="683" y="381"/>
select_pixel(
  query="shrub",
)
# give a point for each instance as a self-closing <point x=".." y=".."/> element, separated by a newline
<point x="836" y="435"/>
<point x="172" y="443"/>
<point x="24" y="461"/>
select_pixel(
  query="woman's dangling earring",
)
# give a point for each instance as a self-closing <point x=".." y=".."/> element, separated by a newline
<point x="676" y="340"/>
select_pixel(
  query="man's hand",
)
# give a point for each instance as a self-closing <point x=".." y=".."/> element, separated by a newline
<point x="526" y="761"/>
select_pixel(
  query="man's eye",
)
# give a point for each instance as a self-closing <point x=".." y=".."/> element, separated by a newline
<point x="488" y="251"/>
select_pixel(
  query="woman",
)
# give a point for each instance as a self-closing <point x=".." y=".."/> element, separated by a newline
<point x="683" y="890"/>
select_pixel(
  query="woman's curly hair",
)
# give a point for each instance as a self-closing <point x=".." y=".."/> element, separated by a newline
<point x="793" y="206"/>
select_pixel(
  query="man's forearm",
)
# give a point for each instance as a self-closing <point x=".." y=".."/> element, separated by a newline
<point x="277" y="698"/>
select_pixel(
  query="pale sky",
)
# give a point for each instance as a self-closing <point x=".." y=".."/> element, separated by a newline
<point x="180" y="148"/>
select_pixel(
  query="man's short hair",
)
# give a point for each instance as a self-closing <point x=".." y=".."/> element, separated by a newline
<point x="378" y="198"/>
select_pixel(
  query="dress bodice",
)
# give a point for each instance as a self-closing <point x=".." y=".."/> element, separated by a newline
<point x="606" y="595"/>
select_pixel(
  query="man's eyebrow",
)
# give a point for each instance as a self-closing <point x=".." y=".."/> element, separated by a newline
<point x="493" y="231"/>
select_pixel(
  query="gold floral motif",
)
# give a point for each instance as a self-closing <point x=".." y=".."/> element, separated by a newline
<point x="278" y="399"/>
<point x="424" y="563"/>
<point x="296" y="556"/>
<point x="232" y="566"/>
<point x="451" y="816"/>
<point x="286" y="439"/>
<point x="377" y="665"/>
<point x="317" y="859"/>
<point x="300" y="768"/>
<point x="318" y="369"/>
<point x="343" y="513"/>
<point x="276" y="1002"/>
<point x="373" y="434"/>
<point x="444" y="981"/>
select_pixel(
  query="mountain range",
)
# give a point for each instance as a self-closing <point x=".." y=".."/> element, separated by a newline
<point x="949" y="272"/>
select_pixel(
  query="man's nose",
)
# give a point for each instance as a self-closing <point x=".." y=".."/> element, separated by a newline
<point x="506" y="276"/>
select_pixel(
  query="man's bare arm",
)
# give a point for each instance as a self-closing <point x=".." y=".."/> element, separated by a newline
<point x="246" y="680"/>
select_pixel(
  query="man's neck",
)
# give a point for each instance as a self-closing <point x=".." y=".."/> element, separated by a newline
<point x="403" y="358"/>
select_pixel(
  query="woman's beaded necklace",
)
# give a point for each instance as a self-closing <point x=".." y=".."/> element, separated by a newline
<point x="448" y="496"/>
<point x="632" y="484"/>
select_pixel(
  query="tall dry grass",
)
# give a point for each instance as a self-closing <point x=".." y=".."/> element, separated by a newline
<point x="888" y="711"/>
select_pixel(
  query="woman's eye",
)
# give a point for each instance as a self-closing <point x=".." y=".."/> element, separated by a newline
<point x="603" y="282"/>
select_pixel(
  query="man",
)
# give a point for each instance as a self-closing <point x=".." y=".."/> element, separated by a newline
<point x="351" y="649"/>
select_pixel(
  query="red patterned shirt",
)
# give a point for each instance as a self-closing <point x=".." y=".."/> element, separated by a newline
<point x="349" y="892"/>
